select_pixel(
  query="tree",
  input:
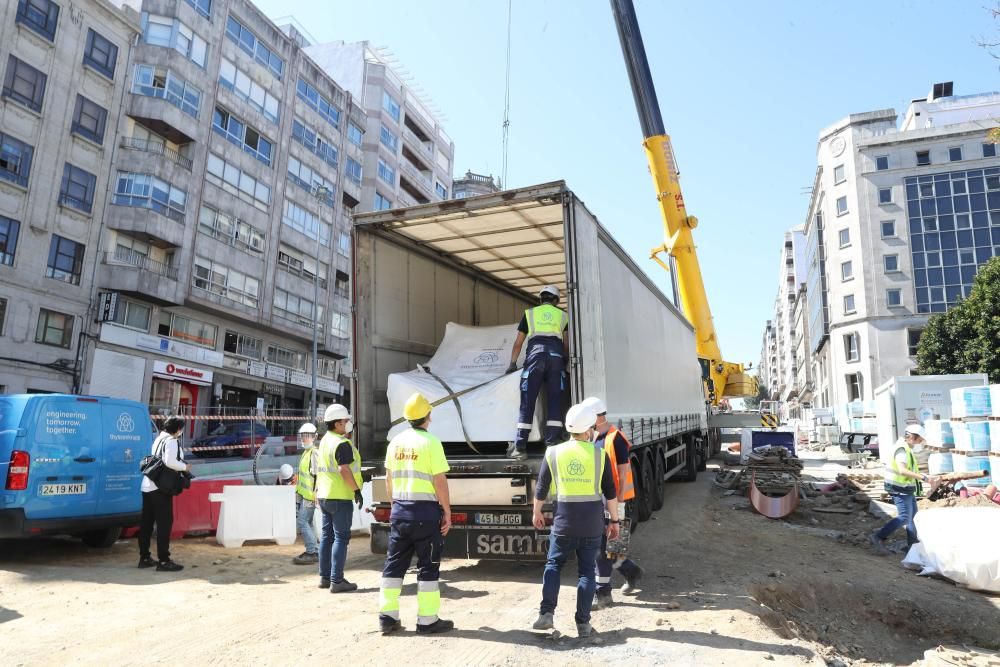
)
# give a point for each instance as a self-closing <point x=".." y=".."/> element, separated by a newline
<point x="966" y="338"/>
<point x="753" y="402"/>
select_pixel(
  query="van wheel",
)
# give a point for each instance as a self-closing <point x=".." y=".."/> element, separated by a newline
<point x="102" y="539"/>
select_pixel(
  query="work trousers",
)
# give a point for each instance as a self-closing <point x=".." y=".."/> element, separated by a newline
<point x="560" y="549"/>
<point x="606" y="566"/>
<point x="406" y="539"/>
<point x="906" y="508"/>
<point x="544" y="366"/>
<point x="337" y="518"/>
<point x="158" y="509"/>
<point x="304" y="511"/>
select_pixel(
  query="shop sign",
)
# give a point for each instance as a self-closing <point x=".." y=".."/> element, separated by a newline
<point x="116" y="335"/>
<point x="186" y="373"/>
<point x="235" y="363"/>
<point x="300" y="379"/>
<point x="276" y="373"/>
<point x="329" y="386"/>
<point x="257" y="369"/>
<point x="275" y="389"/>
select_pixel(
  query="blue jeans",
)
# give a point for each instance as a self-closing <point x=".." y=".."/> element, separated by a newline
<point x="337" y="518"/>
<point x="304" y="510"/>
<point x="906" y="506"/>
<point x="560" y="548"/>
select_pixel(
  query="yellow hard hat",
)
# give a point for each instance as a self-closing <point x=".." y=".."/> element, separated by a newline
<point x="417" y="407"/>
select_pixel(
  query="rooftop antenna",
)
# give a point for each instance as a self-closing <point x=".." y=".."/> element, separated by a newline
<point x="506" y="101"/>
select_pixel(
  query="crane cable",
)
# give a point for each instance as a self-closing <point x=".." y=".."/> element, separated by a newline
<point x="506" y="103"/>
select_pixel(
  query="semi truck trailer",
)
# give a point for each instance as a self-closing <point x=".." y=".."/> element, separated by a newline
<point x="481" y="261"/>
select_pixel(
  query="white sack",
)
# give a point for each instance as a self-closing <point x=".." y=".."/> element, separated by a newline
<point x="466" y="357"/>
<point x="960" y="543"/>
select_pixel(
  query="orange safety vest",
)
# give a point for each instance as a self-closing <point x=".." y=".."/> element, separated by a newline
<point x="627" y="491"/>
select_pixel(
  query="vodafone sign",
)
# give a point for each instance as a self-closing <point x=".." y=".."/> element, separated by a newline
<point x="186" y="373"/>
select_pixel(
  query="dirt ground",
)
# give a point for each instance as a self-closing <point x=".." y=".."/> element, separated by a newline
<point x="723" y="586"/>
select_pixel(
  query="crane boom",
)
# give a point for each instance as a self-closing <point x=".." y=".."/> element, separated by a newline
<point x="722" y="378"/>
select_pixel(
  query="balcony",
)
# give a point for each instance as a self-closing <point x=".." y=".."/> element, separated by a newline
<point x="134" y="274"/>
<point x="403" y="200"/>
<point x="156" y="148"/>
<point x="422" y="181"/>
<point x="138" y="222"/>
<point x="421" y="144"/>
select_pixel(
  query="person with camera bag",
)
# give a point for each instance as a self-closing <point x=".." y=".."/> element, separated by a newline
<point x="165" y="475"/>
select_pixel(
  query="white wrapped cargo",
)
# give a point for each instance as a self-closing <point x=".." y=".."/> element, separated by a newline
<point x="970" y="402"/>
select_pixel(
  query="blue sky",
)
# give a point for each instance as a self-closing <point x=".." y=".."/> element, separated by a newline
<point x="744" y="89"/>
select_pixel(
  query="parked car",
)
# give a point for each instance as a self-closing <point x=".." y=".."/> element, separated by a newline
<point x="231" y="438"/>
<point x="70" y="465"/>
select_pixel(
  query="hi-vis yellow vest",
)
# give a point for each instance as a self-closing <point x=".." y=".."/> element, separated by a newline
<point x="545" y="320"/>
<point x="892" y="475"/>
<point x="306" y="486"/>
<point x="329" y="484"/>
<point x="409" y="462"/>
<point x="576" y="468"/>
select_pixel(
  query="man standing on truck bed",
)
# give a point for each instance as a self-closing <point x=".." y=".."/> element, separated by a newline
<point x="578" y="473"/>
<point x="544" y="327"/>
<point x="338" y="482"/>
<point x="417" y="486"/>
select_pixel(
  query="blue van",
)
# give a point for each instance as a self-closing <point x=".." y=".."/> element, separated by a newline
<point x="70" y="465"/>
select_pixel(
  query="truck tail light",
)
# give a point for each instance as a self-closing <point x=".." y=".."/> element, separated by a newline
<point x="459" y="518"/>
<point x="17" y="473"/>
<point x="381" y="514"/>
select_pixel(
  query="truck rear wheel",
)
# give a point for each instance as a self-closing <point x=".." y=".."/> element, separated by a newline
<point x="704" y="453"/>
<point x="102" y="539"/>
<point x="659" y="470"/>
<point x="691" y="461"/>
<point x="648" y="487"/>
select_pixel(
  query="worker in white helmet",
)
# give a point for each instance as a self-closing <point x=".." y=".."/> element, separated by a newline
<point x="286" y="475"/>
<point x="544" y="327"/>
<point x="338" y="483"/>
<point x="577" y="475"/>
<point x="305" y="496"/>
<point x="903" y="483"/>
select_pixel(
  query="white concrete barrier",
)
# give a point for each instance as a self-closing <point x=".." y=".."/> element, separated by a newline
<point x="255" y="513"/>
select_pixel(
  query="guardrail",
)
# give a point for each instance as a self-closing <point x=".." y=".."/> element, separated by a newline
<point x="156" y="148"/>
<point x="140" y="261"/>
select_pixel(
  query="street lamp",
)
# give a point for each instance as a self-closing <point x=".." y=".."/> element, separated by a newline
<point x="321" y="192"/>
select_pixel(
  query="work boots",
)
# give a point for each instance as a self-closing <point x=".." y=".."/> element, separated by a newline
<point x="306" y="558"/>
<point x="602" y="600"/>
<point x="631" y="586"/>
<point x="543" y="622"/>
<point x="584" y="630"/>
<point x="436" y="627"/>
<point x="517" y="454"/>
<point x="343" y="587"/>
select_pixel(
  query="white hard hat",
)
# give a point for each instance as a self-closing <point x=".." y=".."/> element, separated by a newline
<point x="549" y="289"/>
<point x="308" y="427"/>
<point x="596" y="404"/>
<point x="580" y="418"/>
<point x="285" y="471"/>
<point x="336" y="412"/>
<point x="915" y="429"/>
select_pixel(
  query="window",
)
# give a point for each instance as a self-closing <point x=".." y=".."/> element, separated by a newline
<point x="342" y="286"/>
<point x="89" y="120"/>
<point x="442" y="191"/>
<point x="294" y="307"/>
<point x="246" y="40"/>
<point x="41" y="16"/>
<point x="237" y="182"/>
<point x="381" y="203"/>
<point x="100" y="54"/>
<point x="389" y="139"/>
<point x="282" y="356"/>
<point x="891" y="263"/>
<point x="344" y="244"/>
<point x="841" y="205"/>
<point x="65" y="260"/>
<point x="923" y="158"/>
<point x="845" y="237"/>
<point x="304" y="221"/>
<point x="955" y="154"/>
<point x="308" y="94"/>
<point x="353" y="170"/>
<point x="354" y="134"/>
<point x="310" y="180"/>
<point x="204" y="7"/>
<point x="229" y="283"/>
<point x="164" y="84"/>
<point x="24" y="84"/>
<point x="242" y="345"/>
<point x="894" y="297"/>
<point x="913" y="341"/>
<point x="54" y="328"/>
<point x="132" y="315"/>
<point x="315" y="142"/>
<point x="847" y="270"/>
<point x="77" y="188"/>
<point x="851" y="347"/>
<point x="849" y="304"/>
<point x="989" y="150"/>
<point x="248" y="90"/>
<point x="838" y="174"/>
<point x="243" y="135"/>
<point x="171" y="33"/>
<point x="854" y="384"/>
<point x="300" y="264"/>
<point x="188" y="330"/>
<point x="881" y="162"/>
<point x="340" y="325"/>
<point x="9" y="229"/>
<point x="386" y="173"/>
<point x="888" y="229"/>
<point x="230" y="230"/>
<point x="147" y="191"/>
<point x="15" y="160"/>
<point x="390" y="105"/>
<point x="884" y="196"/>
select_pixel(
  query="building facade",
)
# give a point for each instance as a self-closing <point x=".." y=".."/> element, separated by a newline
<point x="408" y="155"/>
<point x="473" y="185"/>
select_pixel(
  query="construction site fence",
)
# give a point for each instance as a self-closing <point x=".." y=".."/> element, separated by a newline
<point x="243" y="431"/>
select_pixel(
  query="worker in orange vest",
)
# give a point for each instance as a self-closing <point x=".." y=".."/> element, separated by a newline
<point x="617" y="447"/>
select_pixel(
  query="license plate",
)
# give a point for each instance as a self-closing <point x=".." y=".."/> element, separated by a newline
<point x="490" y="519"/>
<point x="63" y="489"/>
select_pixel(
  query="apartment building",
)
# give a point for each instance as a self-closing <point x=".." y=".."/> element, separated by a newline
<point x="408" y="156"/>
<point x="473" y="185"/>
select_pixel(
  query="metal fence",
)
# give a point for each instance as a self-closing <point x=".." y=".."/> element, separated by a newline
<point x="235" y="431"/>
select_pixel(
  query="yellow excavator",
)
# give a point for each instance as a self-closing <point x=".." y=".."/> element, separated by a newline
<point x="723" y="379"/>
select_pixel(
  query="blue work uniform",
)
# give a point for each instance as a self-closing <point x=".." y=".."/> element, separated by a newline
<point x="544" y="365"/>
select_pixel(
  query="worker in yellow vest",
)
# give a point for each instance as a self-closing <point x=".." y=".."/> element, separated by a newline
<point x="903" y="483"/>
<point x="578" y="474"/>
<point x="617" y="447"/>
<point x="305" y="495"/>
<point x="417" y="487"/>
<point x="338" y="482"/>
<point x="544" y="327"/>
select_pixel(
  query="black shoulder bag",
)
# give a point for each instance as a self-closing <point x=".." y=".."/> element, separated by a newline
<point x="152" y="465"/>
